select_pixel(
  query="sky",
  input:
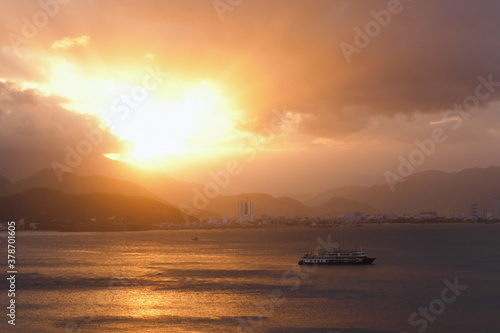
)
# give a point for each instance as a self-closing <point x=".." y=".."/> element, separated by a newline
<point x="305" y="96"/>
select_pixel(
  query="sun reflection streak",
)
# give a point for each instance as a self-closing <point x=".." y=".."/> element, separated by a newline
<point x="142" y="303"/>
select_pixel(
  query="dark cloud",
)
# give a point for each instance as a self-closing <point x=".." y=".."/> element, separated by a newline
<point x="33" y="122"/>
<point x="425" y="60"/>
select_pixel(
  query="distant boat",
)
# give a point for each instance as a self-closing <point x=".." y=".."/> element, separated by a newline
<point x="351" y="257"/>
<point x="194" y="238"/>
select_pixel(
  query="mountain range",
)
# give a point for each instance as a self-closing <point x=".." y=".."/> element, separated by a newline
<point x="285" y="206"/>
<point x="443" y="192"/>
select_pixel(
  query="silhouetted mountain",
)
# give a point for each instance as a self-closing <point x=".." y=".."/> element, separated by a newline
<point x="74" y="184"/>
<point x="338" y="206"/>
<point x="431" y="190"/>
<point x="444" y="192"/>
<point x="43" y="205"/>
<point x="262" y="203"/>
<point x="170" y="189"/>
<point x="6" y="186"/>
<point x="336" y="192"/>
<point x="17" y="164"/>
<point x="281" y="206"/>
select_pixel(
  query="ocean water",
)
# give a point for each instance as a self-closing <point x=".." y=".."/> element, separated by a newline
<point x="248" y="280"/>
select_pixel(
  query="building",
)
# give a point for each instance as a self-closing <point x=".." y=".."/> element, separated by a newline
<point x="473" y="211"/>
<point x="428" y="214"/>
<point x="496" y="208"/>
<point x="245" y="211"/>
<point x="354" y="216"/>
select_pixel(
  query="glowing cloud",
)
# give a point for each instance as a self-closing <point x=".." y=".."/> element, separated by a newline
<point x="69" y="42"/>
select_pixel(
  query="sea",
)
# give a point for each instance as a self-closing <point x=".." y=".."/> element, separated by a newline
<point x="426" y="278"/>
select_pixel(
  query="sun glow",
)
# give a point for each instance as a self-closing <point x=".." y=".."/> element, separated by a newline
<point x="194" y="119"/>
<point x="196" y="124"/>
<point x="85" y="94"/>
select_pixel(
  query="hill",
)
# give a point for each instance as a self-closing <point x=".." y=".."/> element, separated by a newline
<point x="5" y="186"/>
<point x="323" y="197"/>
<point x="281" y="206"/>
<point x="74" y="184"/>
<point x="164" y="186"/>
<point x="156" y="183"/>
<point x="45" y="205"/>
<point x="263" y="204"/>
<point x="337" y="206"/>
<point x="444" y="192"/>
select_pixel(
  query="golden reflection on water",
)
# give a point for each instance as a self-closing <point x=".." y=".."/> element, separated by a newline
<point x="142" y="303"/>
<point x="148" y="303"/>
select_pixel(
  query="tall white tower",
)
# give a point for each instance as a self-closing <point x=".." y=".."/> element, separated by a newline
<point x="245" y="211"/>
<point x="473" y="211"/>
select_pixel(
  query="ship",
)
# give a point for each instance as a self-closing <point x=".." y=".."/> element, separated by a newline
<point x="350" y="257"/>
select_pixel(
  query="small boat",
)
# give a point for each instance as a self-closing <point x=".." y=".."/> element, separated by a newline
<point x="194" y="238"/>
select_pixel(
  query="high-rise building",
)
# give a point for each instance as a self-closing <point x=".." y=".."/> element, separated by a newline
<point x="354" y="216"/>
<point x="496" y="208"/>
<point x="473" y="211"/>
<point x="245" y="211"/>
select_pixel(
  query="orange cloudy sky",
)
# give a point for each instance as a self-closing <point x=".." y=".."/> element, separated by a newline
<point x="184" y="86"/>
